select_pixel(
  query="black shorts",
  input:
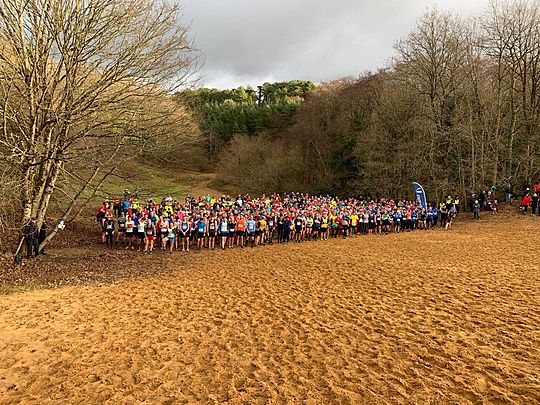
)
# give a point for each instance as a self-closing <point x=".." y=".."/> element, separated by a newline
<point x="258" y="232"/>
<point x="121" y="231"/>
<point x="129" y="234"/>
<point x="250" y="234"/>
<point x="238" y="233"/>
<point x="141" y="235"/>
<point x="212" y="234"/>
<point x="298" y="229"/>
<point x="185" y="235"/>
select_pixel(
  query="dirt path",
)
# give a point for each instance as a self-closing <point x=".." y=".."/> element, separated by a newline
<point x="420" y="317"/>
<point x="202" y="184"/>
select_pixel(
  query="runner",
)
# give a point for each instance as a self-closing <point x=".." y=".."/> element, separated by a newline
<point x="450" y="218"/>
<point x="324" y="227"/>
<point x="130" y="225"/>
<point x="261" y="230"/>
<point x="429" y="218"/>
<point x="385" y="223"/>
<point x="232" y="231"/>
<point x="345" y="224"/>
<point x="397" y="221"/>
<point x="201" y="232"/>
<point x="241" y="226"/>
<point x="317" y="227"/>
<point x="150" y="235"/>
<point x="109" y="230"/>
<point x="193" y="229"/>
<point x="435" y="213"/>
<point x="287" y="225"/>
<point x="171" y="237"/>
<point x="117" y="207"/>
<point x="365" y="222"/>
<point x="163" y="226"/>
<point x="334" y="225"/>
<point x="185" y="232"/>
<point x="101" y="213"/>
<point x="250" y="228"/>
<point x="354" y="224"/>
<point x="212" y="230"/>
<point x="271" y="223"/>
<point x="223" y="230"/>
<point x="309" y="226"/>
<point x="279" y="228"/>
<point x="177" y="225"/>
<point x="372" y="225"/>
<point x="299" y="224"/>
<point x="122" y="229"/>
<point x="141" y="222"/>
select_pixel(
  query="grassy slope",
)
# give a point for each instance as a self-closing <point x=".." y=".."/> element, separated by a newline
<point x="157" y="181"/>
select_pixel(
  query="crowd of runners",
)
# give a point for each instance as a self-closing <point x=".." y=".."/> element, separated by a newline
<point x="227" y="222"/>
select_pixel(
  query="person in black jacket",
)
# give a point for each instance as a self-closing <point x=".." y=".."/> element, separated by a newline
<point x="109" y="231"/>
<point x="31" y="235"/>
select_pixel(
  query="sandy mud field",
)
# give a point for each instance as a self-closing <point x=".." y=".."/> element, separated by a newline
<point x="422" y="317"/>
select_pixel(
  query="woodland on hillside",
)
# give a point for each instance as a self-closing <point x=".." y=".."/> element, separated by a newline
<point x="458" y="111"/>
<point x="224" y="113"/>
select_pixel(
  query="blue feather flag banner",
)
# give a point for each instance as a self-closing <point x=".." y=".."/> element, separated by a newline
<point x="420" y="195"/>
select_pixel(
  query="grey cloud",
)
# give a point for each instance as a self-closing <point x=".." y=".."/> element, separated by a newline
<point x="252" y="41"/>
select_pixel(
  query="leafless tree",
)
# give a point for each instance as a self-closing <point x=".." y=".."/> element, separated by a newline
<point x="512" y="42"/>
<point x="74" y="77"/>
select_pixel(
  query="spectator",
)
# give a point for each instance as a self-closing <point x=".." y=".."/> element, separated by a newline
<point x="508" y="194"/>
<point x="494" y="207"/>
<point x="31" y="234"/>
<point x="476" y="209"/>
<point x="526" y="202"/>
<point x="482" y="200"/>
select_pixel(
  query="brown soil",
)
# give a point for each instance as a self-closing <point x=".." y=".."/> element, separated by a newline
<point x="435" y="316"/>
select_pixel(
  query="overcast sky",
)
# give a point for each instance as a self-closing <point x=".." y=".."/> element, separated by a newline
<point x="253" y="41"/>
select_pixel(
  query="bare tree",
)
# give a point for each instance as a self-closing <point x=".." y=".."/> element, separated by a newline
<point x="512" y="42"/>
<point x="73" y="77"/>
<point x="431" y="60"/>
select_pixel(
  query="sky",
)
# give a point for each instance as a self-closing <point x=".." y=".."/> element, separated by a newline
<point x="254" y="41"/>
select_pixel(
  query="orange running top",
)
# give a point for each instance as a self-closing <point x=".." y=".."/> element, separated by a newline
<point x="241" y="225"/>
